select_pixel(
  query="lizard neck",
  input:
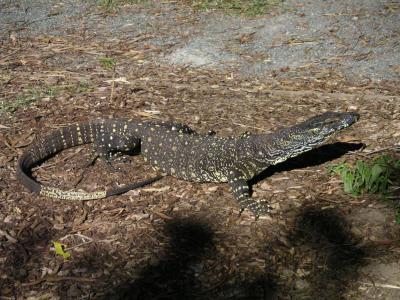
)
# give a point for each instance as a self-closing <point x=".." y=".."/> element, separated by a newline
<point x="277" y="147"/>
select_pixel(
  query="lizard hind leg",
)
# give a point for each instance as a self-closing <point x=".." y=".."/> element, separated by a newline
<point x="111" y="147"/>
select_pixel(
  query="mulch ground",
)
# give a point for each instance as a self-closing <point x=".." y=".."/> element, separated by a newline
<point x="177" y="239"/>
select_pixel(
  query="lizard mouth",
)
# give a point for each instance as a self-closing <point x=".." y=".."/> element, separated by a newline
<point x="340" y="138"/>
<point x="352" y="118"/>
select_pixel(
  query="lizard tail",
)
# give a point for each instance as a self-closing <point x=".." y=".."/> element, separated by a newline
<point x="78" y="195"/>
<point x="24" y="165"/>
<point x="125" y="188"/>
<point x="63" y="138"/>
<point x="66" y="137"/>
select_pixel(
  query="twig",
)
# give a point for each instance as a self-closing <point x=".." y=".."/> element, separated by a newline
<point x="27" y="23"/>
<point x="380" y="150"/>
<point x="382" y="285"/>
<point x="112" y="86"/>
<point x="248" y="126"/>
<point x="8" y="236"/>
<point x="59" y="278"/>
<point x="84" y="237"/>
<point x="81" y="244"/>
<point x="331" y="201"/>
<point x="9" y="54"/>
<point x="161" y="215"/>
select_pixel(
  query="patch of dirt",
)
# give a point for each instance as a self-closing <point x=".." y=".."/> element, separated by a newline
<point x="385" y="278"/>
<point x="177" y="239"/>
<point x="356" y="38"/>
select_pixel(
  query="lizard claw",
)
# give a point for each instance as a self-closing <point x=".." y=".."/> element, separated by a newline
<point x="259" y="207"/>
<point x="241" y="211"/>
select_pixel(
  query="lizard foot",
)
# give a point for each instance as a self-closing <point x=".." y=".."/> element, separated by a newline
<point x="256" y="206"/>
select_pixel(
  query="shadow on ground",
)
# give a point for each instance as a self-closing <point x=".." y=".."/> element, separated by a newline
<point x="325" y="236"/>
<point x="322" y="240"/>
<point x="174" y="276"/>
<point x="311" y="158"/>
<point x="32" y="241"/>
<point x="324" y="247"/>
<point x="320" y="236"/>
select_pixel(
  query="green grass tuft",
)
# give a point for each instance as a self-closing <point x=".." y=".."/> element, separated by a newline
<point x="32" y="95"/>
<point x="108" y="63"/>
<point x="112" y="6"/>
<point x="246" y="7"/>
<point x="375" y="177"/>
<point x="36" y="94"/>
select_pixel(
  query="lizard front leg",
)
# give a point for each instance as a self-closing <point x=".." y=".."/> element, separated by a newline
<point x="241" y="191"/>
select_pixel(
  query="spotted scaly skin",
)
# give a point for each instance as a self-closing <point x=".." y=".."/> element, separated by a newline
<point x="107" y="136"/>
<point x="204" y="158"/>
<point x="177" y="150"/>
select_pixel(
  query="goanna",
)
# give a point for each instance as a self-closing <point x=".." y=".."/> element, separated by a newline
<point x="177" y="150"/>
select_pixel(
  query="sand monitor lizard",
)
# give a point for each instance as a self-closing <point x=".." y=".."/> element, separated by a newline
<point x="177" y="150"/>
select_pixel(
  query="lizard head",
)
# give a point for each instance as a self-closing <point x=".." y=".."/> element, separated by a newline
<point x="294" y="140"/>
<point x="318" y="129"/>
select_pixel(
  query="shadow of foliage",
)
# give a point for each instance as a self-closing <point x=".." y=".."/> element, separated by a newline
<point x="326" y="236"/>
<point x="174" y="276"/>
<point x="262" y="288"/>
<point x="26" y="252"/>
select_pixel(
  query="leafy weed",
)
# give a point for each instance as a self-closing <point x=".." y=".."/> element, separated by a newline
<point x="375" y="177"/>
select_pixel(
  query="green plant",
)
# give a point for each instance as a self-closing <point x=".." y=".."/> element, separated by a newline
<point x="30" y="96"/>
<point x="251" y="8"/>
<point x="48" y="92"/>
<point x="109" y="64"/>
<point x="59" y="250"/>
<point x="81" y="87"/>
<point x="375" y="177"/>
<point x="19" y="101"/>
<point x="112" y="6"/>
